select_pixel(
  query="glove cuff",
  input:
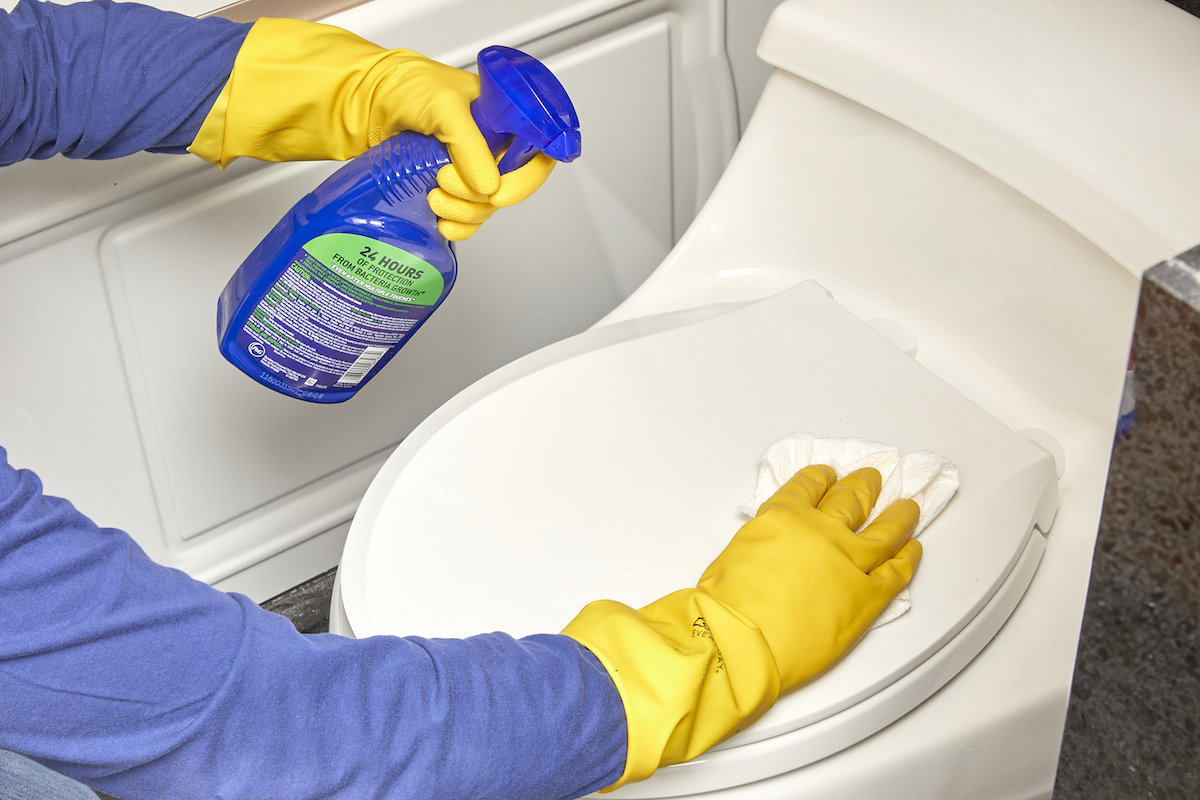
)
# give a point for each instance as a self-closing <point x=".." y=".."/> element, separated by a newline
<point x="210" y="140"/>
<point x="298" y="91"/>
<point x="690" y="670"/>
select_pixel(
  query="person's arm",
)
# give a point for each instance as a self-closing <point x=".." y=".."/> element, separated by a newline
<point x="104" y="79"/>
<point x="144" y="683"/>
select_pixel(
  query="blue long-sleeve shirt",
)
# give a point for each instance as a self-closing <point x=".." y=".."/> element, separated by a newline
<point x="103" y="79"/>
<point x="142" y="682"/>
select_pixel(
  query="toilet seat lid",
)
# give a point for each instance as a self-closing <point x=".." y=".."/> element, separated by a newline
<point x="611" y="465"/>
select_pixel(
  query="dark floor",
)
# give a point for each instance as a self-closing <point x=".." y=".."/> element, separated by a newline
<point x="1132" y="724"/>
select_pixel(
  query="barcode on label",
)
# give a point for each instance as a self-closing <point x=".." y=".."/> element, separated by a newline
<point x="362" y="365"/>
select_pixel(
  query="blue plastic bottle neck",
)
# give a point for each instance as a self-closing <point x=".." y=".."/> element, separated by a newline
<point x="407" y="164"/>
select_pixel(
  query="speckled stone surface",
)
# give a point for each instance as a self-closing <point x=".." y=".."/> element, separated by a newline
<point x="1153" y="495"/>
<point x="1133" y="727"/>
<point x="307" y="605"/>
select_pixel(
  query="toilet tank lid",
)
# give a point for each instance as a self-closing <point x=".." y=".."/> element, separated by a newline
<point x="1090" y="109"/>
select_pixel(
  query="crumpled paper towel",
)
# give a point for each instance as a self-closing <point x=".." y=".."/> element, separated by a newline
<point x="928" y="478"/>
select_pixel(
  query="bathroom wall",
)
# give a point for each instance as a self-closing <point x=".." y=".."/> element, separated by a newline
<point x="1133" y="728"/>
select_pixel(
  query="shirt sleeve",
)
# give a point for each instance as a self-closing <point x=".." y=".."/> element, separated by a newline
<point x="104" y="79"/>
<point x="142" y="682"/>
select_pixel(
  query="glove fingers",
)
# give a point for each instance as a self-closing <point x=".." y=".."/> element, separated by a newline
<point x="470" y="154"/>
<point x="435" y="99"/>
<point x="452" y="183"/>
<point x="884" y="537"/>
<point x="894" y="574"/>
<point x="476" y="166"/>
<point x="852" y="498"/>
<point x="804" y="489"/>
<point x="452" y="208"/>
<point x="456" y="231"/>
<point x="519" y="184"/>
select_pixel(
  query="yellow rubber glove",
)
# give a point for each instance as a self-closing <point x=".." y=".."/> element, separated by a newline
<point x="785" y="601"/>
<point x="305" y="91"/>
<point x="463" y="210"/>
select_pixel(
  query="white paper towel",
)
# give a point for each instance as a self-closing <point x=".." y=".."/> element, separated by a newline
<point x="928" y="478"/>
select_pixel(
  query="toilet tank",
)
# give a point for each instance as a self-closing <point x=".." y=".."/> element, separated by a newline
<point x="990" y="179"/>
<point x="115" y="392"/>
<point x="1088" y="109"/>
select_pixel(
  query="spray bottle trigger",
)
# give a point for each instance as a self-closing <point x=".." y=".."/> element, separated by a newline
<point x="518" y="154"/>
<point x="565" y="147"/>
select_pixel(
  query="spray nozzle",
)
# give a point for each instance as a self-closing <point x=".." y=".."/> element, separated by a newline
<point x="523" y="107"/>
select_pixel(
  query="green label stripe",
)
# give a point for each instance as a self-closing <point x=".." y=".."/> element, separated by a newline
<point x="378" y="267"/>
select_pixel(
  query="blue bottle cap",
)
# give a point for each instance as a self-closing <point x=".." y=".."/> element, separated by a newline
<point x="521" y="101"/>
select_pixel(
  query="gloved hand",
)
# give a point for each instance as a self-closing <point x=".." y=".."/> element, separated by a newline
<point x="306" y="91"/>
<point x="786" y="600"/>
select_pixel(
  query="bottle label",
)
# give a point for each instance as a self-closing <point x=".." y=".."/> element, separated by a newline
<point x="342" y="304"/>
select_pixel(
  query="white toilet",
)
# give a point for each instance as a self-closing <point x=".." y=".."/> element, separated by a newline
<point x="930" y="235"/>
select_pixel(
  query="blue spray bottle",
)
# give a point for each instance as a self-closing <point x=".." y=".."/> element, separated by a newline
<point x="346" y="278"/>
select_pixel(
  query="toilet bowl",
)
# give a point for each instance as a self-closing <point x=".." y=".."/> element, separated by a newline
<point x="930" y="236"/>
